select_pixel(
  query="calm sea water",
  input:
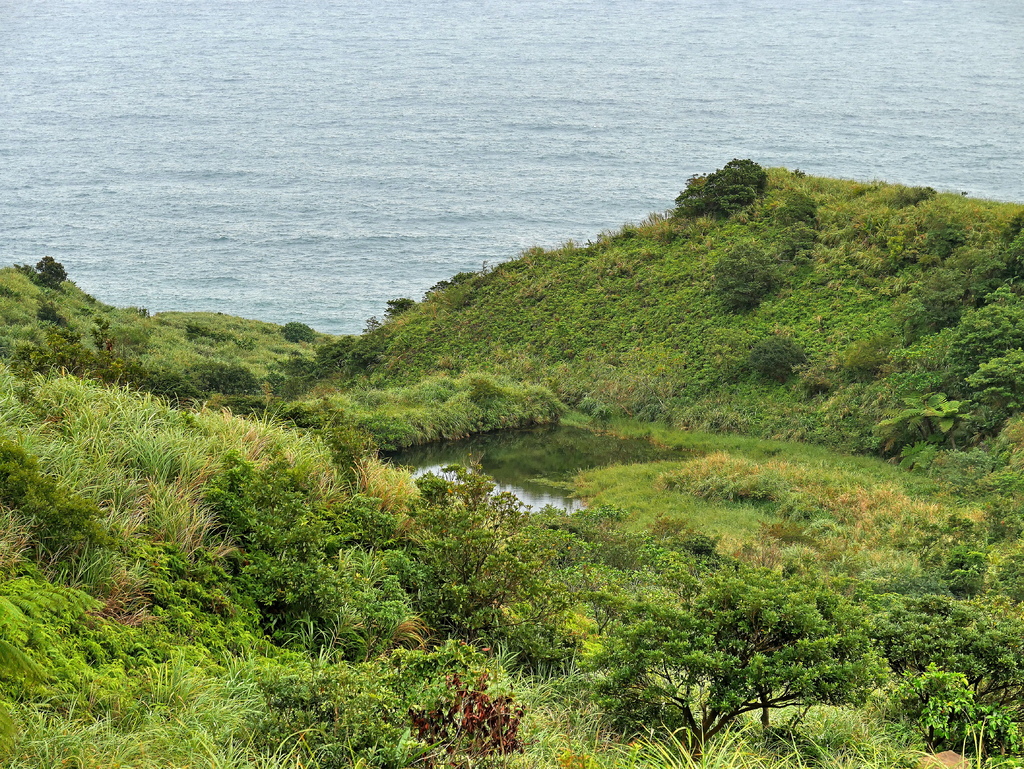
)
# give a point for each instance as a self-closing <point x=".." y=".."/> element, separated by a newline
<point x="308" y="161"/>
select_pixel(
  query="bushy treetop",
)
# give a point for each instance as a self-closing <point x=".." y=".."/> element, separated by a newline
<point x="723" y="192"/>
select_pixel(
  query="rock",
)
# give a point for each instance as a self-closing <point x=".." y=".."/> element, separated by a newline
<point x="947" y="759"/>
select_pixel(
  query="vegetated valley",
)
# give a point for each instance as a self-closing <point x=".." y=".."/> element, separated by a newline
<point x="204" y="562"/>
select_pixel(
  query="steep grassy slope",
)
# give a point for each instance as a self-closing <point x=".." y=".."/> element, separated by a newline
<point x="669" y="318"/>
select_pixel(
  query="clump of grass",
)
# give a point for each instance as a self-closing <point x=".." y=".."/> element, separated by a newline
<point x="392" y="486"/>
<point x="721" y="476"/>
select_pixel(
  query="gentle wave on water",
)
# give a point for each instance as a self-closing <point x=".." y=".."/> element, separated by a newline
<point x="310" y="161"/>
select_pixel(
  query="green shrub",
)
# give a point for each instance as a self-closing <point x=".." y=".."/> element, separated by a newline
<point x="298" y="332"/>
<point x="486" y="564"/>
<point x="977" y="646"/>
<point x="398" y="306"/>
<point x="48" y="313"/>
<point x="294" y="565"/>
<point x="944" y="238"/>
<point x="911" y="196"/>
<point x="49" y="273"/>
<point x="797" y="207"/>
<point x="987" y="332"/>
<point x="723" y="192"/>
<point x="226" y="378"/>
<point x="863" y="360"/>
<point x="60" y="522"/>
<point x="775" y="357"/>
<point x="710" y="647"/>
<point x="744" y="276"/>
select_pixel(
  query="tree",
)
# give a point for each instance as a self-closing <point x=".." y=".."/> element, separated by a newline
<point x="397" y="307"/>
<point x="723" y="192"/>
<point x="999" y="382"/>
<point x="961" y="666"/>
<point x="298" y="332"/>
<point x="705" y="651"/>
<point x="50" y="273"/>
<point x="744" y="276"/>
<point x="987" y="332"/>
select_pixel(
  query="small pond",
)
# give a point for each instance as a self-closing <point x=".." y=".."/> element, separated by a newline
<point x="536" y="464"/>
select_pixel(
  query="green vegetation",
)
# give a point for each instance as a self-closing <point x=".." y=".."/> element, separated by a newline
<point x="205" y="563"/>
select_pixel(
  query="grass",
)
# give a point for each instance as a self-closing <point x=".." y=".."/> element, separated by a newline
<point x="773" y="501"/>
<point x="444" y="408"/>
<point x="179" y="717"/>
<point x="171" y="340"/>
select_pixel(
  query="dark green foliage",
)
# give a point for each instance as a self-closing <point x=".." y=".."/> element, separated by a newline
<point x="338" y="712"/>
<point x="485" y="564"/>
<point x="964" y="571"/>
<point x="944" y="238"/>
<point x="398" y="306"/>
<point x="706" y="650"/>
<point x="744" y="276"/>
<point x="999" y="382"/>
<point x="863" y="360"/>
<point x="935" y="303"/>
<point x="947" y="713"/>
<point x="797" y="208"/>
<point x="775" y="357"/>
<point x="226" y="378"/>
<point x="987" y="332"/>
<point x="200" y="332"/>
<point x="298" y="332"/>
<point x="65" y="353"/>
<point x="1014" y="227"/>
<point x="796" y="241"/>
<point x="62" y="523"/>
<point x="454" y="280"/>
<point x="944" y="648"/>
<point x="49" y="273"/>
<point x="723" y="192"/>
<point x="293" y="565"/>
<point x="172" y="384"/>
<point x="48" y="313"/>
<point x="911" y="196"/>
<point x="349" y="354"/>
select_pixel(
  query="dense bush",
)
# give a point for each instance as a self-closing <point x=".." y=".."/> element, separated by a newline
<point x="485" y="565"/>
<point x="293" y="564"/>
<point x="226" y="378"/>
<point x="776" y="357"/>
<point x="744" y="277"/>
<point x="987" y="332"/>
<point x="298" y="332"/>
<point x="707" y="649"/>
<point x="48" y="273"/>
<point x="61" y="523"/>
<point x="398" y="306"/>
<point x="723" y="192"/>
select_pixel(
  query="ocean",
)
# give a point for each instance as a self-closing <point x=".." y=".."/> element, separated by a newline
<point x="309" y="161"/>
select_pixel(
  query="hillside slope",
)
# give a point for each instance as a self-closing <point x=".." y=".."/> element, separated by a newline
<point x="807" y="314"/>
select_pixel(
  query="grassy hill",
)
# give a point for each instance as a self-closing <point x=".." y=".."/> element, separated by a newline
<point x="204" y="563"/>
<point x="42" y="325"/>
<point x="806" y="315"/>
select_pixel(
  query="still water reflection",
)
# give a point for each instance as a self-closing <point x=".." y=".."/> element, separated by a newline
<point x="537" y="464"/>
